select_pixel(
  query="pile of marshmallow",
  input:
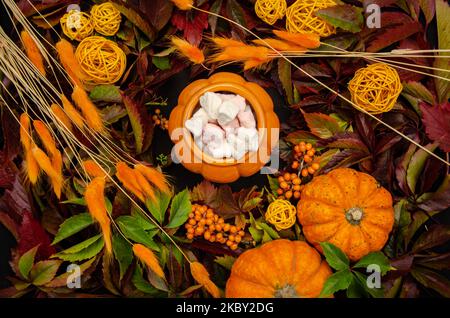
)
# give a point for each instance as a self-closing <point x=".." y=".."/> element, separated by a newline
<point x="224" y="126"/>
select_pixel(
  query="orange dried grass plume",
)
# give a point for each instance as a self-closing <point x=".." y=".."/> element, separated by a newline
<point x="32" y="51"/>
<point x="307" y="40"/>
<point x="88" y="109"/>
<point x="46" y="137"/>
<point x="186" y="49"/>
<point x="226" y="42"/>
<point x="158" y="179"/>
<point x="70" y="63"/>
<point x="93" y="169"/>
<point x="149" y="259"/>
<point x="183" y="4"/>
<point x="95" y="200"/>
<point x="280" y="45"/>
<point x="47" y="166"/>
<point x="60" y="115"/>
<point x="30" y="164"/>
<point x="72" y="112"/>
<point x="252" y="56"/>
<point x="201" y="276"/>
<point x="127" y="177"/>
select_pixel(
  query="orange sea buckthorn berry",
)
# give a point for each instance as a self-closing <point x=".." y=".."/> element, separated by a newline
<point x="190" y="236"/>
<point x="207" y="235"/>
<point x="297" y="187"/>
<point x="308" y="146"/>
<point x="241" y="233"/>
<point x="157" y="111"/>
<point x="307" y="159"/>
<point x="288" y="194"/>
<point x="226" y="227"/>
<point x="287" y="176"/>
<point x="280" y="191"/>
<point x="295" y="165"/>
<point x="297" y="194"/>
<point x="229" y="243"/>
<point x="233" y="229"/>
<point x="297" y="181"/>
<point x="311" y="153"/>
<point x="315" y="166"/>
<point x="280" y="179"/>
<point x="297" y="149"/>
<point x="231" y="237"/>
<point x="293" y="176"/>
<point x="234" y="247"/>
<point x="238" y="239"/>
<point x="304" y="172"/>
<point x="219" y="236"/>
<point x="192" y="222"/>
<point x="218" y="227"/>
<point x="284" y="185"/>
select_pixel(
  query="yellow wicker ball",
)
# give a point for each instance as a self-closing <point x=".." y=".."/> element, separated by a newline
<point x="300" y="17"/>
<point x="270" y="10"/>
<point x="102" y="60"/>
<point x="106" y="19"/>
<point x="282" y="214"/>
<point x="375" y="88"/>
<point x="76" y="25"/>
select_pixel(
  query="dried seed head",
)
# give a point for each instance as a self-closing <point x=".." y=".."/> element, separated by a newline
<point x="88" y="109"/>
<point x="154" y="176"/>
<point x="307" y="40"/>
<point x="201" y="276"/>
<point x="72" y="113"/>
<point x="186" y="49"/>
<point x="127" y="177"/>
<point x="70" y="63"/>
<point x="46" y="137"/>
<point x="149" y="259"/>
<point x="60" y="115"/>
<point x="93" y="169"/>
<point x="32" y="51"/>
<point x="183" y="4"/>
<point x="25" y="137"/>
<point x="95" y="200"/>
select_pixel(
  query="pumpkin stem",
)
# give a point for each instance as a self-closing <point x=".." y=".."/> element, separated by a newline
<point x="354" y="215"/>
<point x="287" y="291"/>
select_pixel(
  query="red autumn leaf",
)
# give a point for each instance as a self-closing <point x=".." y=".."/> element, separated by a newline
<point x="437" y="123"/>
<point x="7" y="172"/>
<point x="396" y="27"/>
<point x="31" y="233"/>
<point x="192" y="24"/>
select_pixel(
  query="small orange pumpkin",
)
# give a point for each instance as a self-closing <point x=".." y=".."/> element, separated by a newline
<point x="224" y="170"/>
<point x="348" y="209"/>
<point x="278" y="269"/>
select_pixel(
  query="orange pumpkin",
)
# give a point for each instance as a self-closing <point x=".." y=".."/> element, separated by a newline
<point x="348" y="209"/>
<point x="224" y="170"/>
<point x="278" y="269"/>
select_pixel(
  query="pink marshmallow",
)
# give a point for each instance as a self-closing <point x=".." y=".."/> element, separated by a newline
<point x="247" y="119"/>
<point x="213" y="133"/>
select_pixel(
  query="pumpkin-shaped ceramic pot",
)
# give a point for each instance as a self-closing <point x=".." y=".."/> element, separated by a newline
<point x="194" y="159"/>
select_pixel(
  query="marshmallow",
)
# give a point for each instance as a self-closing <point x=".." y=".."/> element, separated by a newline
<point x="219" y="150"/>
<point x="213" y="133"/>
<point x="201" y="113"/>
<point x="195" y="126"/>
<point x="239" y="101"/>
<point x="199" y="143"/>
<point x="225" y="97"/>
<point x="227" y="113"/>
<point x="210" y="102"/>
<point x="250" y="137"/>
<point x="231" y="127"/>
<point x="246" y="118"/>
<point x="238" y="146"/>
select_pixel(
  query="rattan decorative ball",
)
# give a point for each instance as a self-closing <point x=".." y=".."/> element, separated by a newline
<point x="77" y="25"/>
<point x="300" y="17"/>
<point x="375" y="88"/>
<point x="282" y="214"/>
<point x="270" y="10"/>
<point x="106" y="18"/>
<point x="102" y="60"/>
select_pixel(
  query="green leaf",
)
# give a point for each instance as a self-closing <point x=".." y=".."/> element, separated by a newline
<point x="284" y="73"/>
<point x="106" y="93"/>
<point x="418" y="90"/>
<point x="322" y="125"/>
<point x="334" y="256"/>
<point x="273" y="184"/>
<point x="132" y="229"/>
<point x="26" y="262"/>
<point x="141" y="284"/>
<point x="443" y="29"/>
<point x="297" y="136"/>
<point x="269" y="230"/>
<point x="123" y="253"/>
<point x="338" y="281"/>
<point x="72" y="226"/>
<point x="225" y="261"/>
<point x="377" y="258"/>
<point x="77" y="201"/>
<point x="256" y="234"/>
<point x="140" y="123"/>
<point x="179" y="209"/>
<point x="416" y="166"/>
<point x="84" y="250"/>
<point x="215" y="8"/>
<point x="163" y="63"/>
<point x="355" y="290"/>
<point x="159" y="206"/>
<point x="346" y="17"/>
<point x="44" y="271"/>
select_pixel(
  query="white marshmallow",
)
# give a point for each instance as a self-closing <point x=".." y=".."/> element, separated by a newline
<point x="199" y="143"/>
<point x="220" y="150"/>
<point x="227" y="113"/>
<point x="238" y="146"/>
<point x="195" y="126"/>
<point x="246" y="118"/>
<point x="210" y="102"/>
<point x="231" y="127"/>
<point x="225" y="97"/>
<point x="246" y="133"/>
<point x="239" y="101"/>
<point x="213" y="133"/>
<point x="201" y="113"/>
